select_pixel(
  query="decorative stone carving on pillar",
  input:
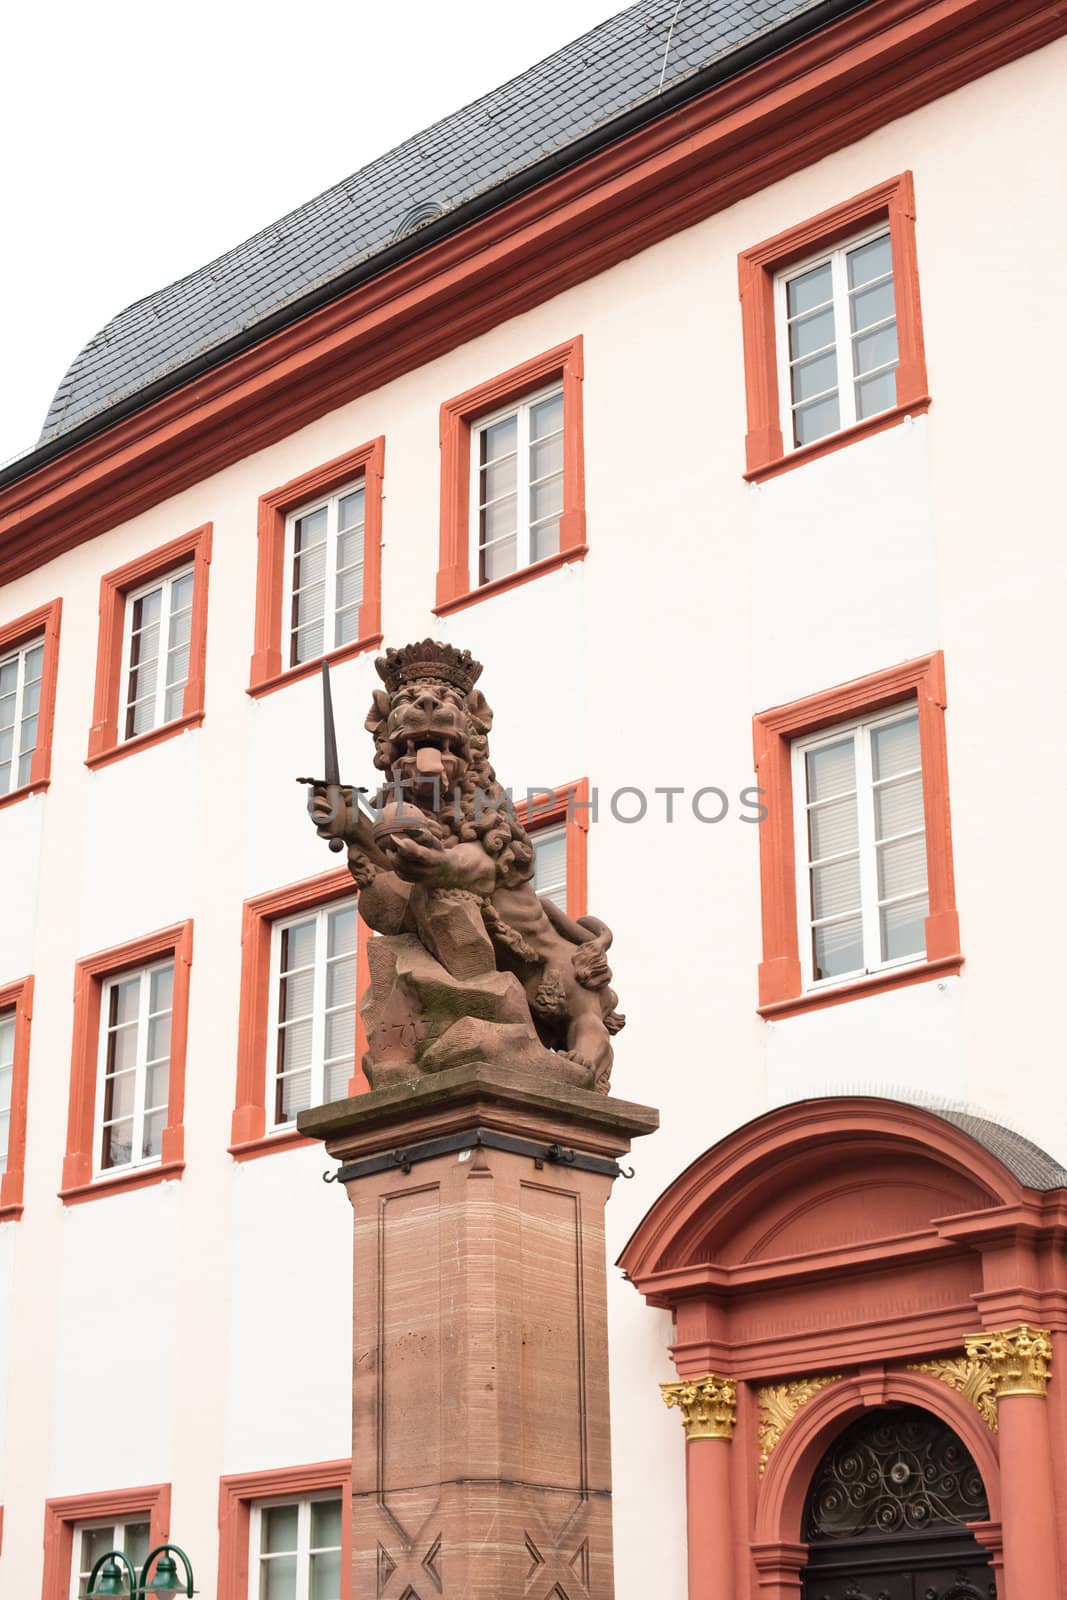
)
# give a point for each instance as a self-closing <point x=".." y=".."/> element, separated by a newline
<point x="708" y="1406"/>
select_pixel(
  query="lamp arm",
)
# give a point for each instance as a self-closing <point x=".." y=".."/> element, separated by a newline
<point x="114" y="1555"/>
<point x="161" y="1549"/>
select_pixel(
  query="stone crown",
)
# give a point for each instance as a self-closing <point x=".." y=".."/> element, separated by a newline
<point x="430" y="659"/>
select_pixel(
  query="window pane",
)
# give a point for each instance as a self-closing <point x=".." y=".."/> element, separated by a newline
<point x="902" y="867"/>
<point x="350" y="509"/>
<point x="146" y="609"/>
<point x="309" y="604"/>
<point x="135" y="1543"/>
<point x="119" y="1096"/>
<point x="875" y="304"/>
<point x="341" y="1032"/>
<point x="350" y="549"/>
<point x="310" y="530"/>
<point x="124" y="997"/>
<point x="546" y="499"/>
<point x="550" y="865"/>
<point x="898" y="807"/>
<point x="34" y="662"/>
<point x="31" y="698"/>
<point x="811" y="333"/>
<point x="838" y="948"/>
<point x="903" y="929"/>
<point x="7" y="1040"/>
<point x="876" y="394"/>
<point x="341" y="982"/>
<point x="499" y="439"/>
<point x="546" y="417"/>
<point x="117" y="1145"/>
<point x="326" y="1576"/>
<point x="122" y="1048"/>
<point x="546" y="458"/>
<point x="157" y="1085"/>
<point x="309" y="567"/>
<point x="5" y="1120"/>
<point x="814" y="376"/>
<point x="544" y="540"/>
<point x="307" y="643"/>
<point x="159" y="1038"/>
<point x="835" y="888"/>
<point x="341" y="936"/>
<point x="141" y="717"/>
<point x="832" y="828"/>
<point x="325" y="1524"/>
<point x="499" y="479"/>
<point x="152" y="1140"/>
<point x="294" y="1094"/>
<point x="498" y="560"/>
<point x="498" y="519"/>
<point x="298" y="945"/>
<point x="895" y="747"/>
<point x="335" y="1081"/>
<point x="831" y="769"/>
<point x="177" y="666"/>
<point x="877" y="349"/>
<point x="161" y="988"/>
<point x="277" y="1578"/>
<point x="296" y="995"/>
<point x="280" y="1528"/>
<point x="95" y="1542"/>
<point x="809" y="289"/>
<point x="869" y="261"/>
<point x="24" y="770"/>
<point x="28" y="735"/>
<point x="349" y="588"/>
<point x="9" y="674"/>
<point x="815" y="421"/>
<point x="7" y="742"/>
<point x="295" y="1046"/>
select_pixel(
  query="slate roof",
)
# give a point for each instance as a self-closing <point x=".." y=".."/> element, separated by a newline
<point x="644" y="56"/>
<point x="1033" y="1167"/>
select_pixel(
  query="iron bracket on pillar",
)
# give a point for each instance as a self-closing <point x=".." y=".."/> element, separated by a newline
<point x="541" y="1155"/>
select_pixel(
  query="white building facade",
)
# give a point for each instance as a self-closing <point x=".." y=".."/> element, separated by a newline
<point x="816" y="520"/>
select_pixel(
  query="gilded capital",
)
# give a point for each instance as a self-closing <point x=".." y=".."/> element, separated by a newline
<point x="708" y="1406"/>
<point x="1017" y="1359"/>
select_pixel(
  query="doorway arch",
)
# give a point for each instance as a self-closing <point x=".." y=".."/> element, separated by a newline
<point x="887" y="1513"/>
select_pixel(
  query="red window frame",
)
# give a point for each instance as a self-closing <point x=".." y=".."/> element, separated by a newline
<point x="104" y="743"/>
<point x="569" y="804"/>
<point x="90" y="973"/>
<point x="19" y="998"/>
<point x="61" y="1517"/>
<point x="268" y="670"/>
<point x="44" y="620"/>
<point x="892" y="201"/>
<point x="458" y="416"/>
<point x="249" y="1137"/>
<point x="773" y="732"/>
<point x="238" y="1492"/>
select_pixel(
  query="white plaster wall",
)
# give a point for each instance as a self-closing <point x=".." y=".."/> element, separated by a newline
<point x="701" y="601"/>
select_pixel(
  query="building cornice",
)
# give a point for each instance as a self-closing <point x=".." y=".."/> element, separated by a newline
<point x="822" y="93"/>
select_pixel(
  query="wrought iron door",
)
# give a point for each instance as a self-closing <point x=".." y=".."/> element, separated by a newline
<point x="887" y="1514"/>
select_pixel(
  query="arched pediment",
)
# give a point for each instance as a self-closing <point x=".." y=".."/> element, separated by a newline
<point x="829" y="1175"/>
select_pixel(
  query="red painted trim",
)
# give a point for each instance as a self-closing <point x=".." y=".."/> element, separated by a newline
<point x="826" y="92"/>
<point x="89" y="975"/>
<point x="892" y="201"/>
<point x="874" y="983"/>
<point x="458" y="415"/>
<point x="236" y="1495"/>
<point x="60" y="1517"/>
<point x="17" y="997"/>
<point x="568" y="804"/>
<point x="513" y="580"/>
<point x="248" y="1133"/>
<point x="44" y="620"/>
<point x="104" y="743"/>
<point x="773" y="732"/>
<point x="837" y="441"/>
<point x="268" y="671"/>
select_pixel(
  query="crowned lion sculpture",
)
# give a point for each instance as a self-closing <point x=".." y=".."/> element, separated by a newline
<point x="471" y="963"/>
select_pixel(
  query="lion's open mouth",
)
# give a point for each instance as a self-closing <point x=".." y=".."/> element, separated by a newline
<point x="430" y="755"/>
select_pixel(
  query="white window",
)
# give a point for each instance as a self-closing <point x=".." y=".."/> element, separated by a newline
<point x="517" y="485"/>
<point x="296" y="1550"/>
<point x="324" y="574"/>
<point x="861" y="847"/>
<point x="313" y="1008"/>
<point x="7" y="1072"/>
<point x="134" y="1086"/>
<point x="837" y="339"/>
<point x="94" y="1539"/>
<point x="550" y="864"/>
<point x="20" y="697"/>
<point x="155" y="652"/>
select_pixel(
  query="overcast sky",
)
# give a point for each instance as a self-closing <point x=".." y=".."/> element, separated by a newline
<point x="138" y="142"/>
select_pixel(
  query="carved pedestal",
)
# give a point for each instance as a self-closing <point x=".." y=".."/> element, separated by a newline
<point x="480" y="1434"/>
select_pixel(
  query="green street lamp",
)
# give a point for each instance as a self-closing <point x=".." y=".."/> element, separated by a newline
<point x="113" y="1584"/>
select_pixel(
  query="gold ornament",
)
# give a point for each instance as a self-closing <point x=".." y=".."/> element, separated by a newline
<point x="1018" y="1358"/>
<point x="778" y="1405"/>
<point x="708" y="1405"/>
<point x="970" y="1376"/>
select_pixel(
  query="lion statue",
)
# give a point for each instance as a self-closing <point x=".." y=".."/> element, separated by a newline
<point x="471" y="963"/>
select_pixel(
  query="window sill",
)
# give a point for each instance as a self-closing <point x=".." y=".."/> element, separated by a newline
<point x="537" y="569"/>
<point x="129" y="747"/>
<point x="281" y="680"/>
<point x="874" y="983"/>
<point x="836" y="441"/>
<point x="137" y="1178"/>
<point x="11" y="1213"/>
<point x="268" y="1144"/>
<point x="22" y="791"/>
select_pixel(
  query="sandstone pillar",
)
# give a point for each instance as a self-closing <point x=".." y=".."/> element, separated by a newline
<point x="480" y="1432"/>
<point x="1019" y="1361"/>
